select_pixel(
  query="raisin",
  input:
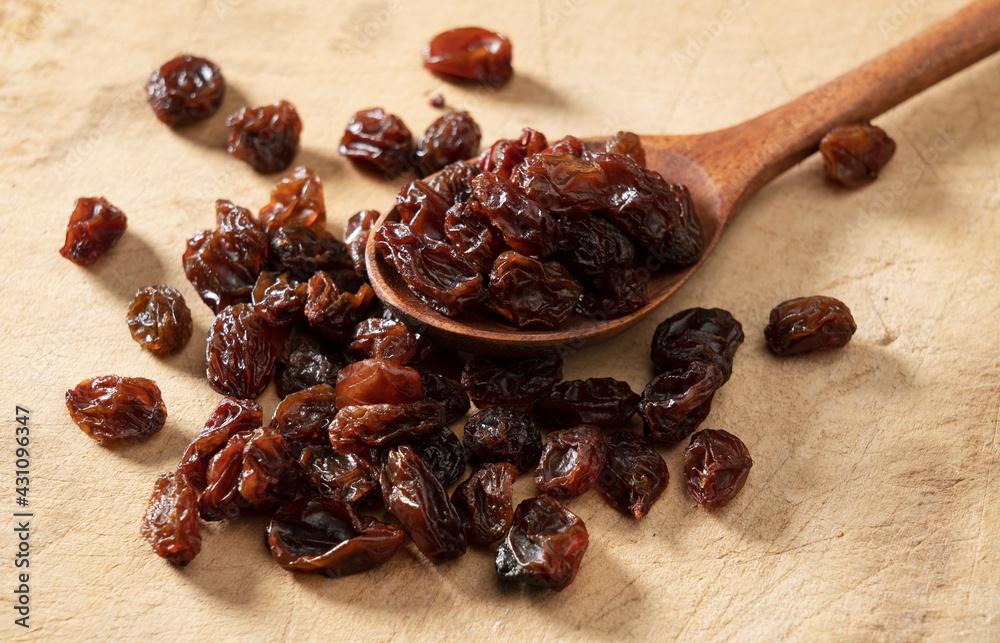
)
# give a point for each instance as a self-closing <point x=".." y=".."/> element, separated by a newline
<point x="265" y="137"/>
<point x="446" y="392"/>
<point x="485" y="502"/>
<point x="571" y="461"/>
<point x="525" y="226"/>
<point x="444" y="454"/>
<point x="544" y="546"/>
<point x="303" y="251"/>
<point x="171" y="520"/>
<point x="532" y="294"/>
<point x="335" y="313"/>
<point x="634" y="474"/>
<point x="378" y="381"/>
<point x="716" y="465"/>
<point x="279" y="299"/>
<point x="223" y="264"/>
<point x="355" y="428"/>
<point x="614" y="293"/>
<point x="470" y="53"/>
<point x="562" y="182"/>
<point x="422" y="209"/>
<point x="356" y="237"/>
<point x="809" y="324"/>
<point x="511" y="381"/>
<point x="221" y="499"/>
<point x="94" y="227"/>
<point x="344" y="477"/>
<point x="452" y="137"/>
<point x="230" y="417"/>
<point x="434" y="271"/>
<point x="418" y="500"/>
<point x="503" y="434"/>
<point x="454" y="182"/>
<point x="853" y="155"/>
<point x="626" y="144"/>
<point x="381" y="338"/>
<point x="570" y="145"/>
<point x="590" y="245"/>
<point x="239" y="354"/>
<point x="306" y="413"/>
<point x="436" y="101"/>
<point x="159" y="320"/>
<point x="295" y="199"/>
<point x="676" y="402"/>
<point x="270" y="470"/>
<point x="379" y="141"/>
<point x="506" y="154"/>
<point x="325" y="536"/>
<point x="185" y="89"/>
<point x="697" y="334"/>
<point x="305" y="361"/>
<point x="117" y="409"/>
<point x="468" y="228"/>
<point x="599" y="401"/>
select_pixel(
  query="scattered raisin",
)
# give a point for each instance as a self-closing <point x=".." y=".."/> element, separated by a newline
<point x="471" y="53"/>
<point x="94" y="227"/>
<point x="295" y="199"/>
<point x="503" y="434"/>
<point x="571" y="461"/>
<point x="525" y="226"/>
<point x="485" y="502"/>
<point x="544" y="546"/>
<point x="356" y="233"/>
<point x="532" y="294"/>
<point x="171" y="520"/>
<point x="355" y="428"/>
<point x="634" y="474"/>
<point x="239" y="354"/>
<point x="305" y="414"/>
<point x="378" y="140"/>
<point x="185" y="89"/>
<point x="511" y="381"/>
<point x="303" y="251"/>
<point x="809" y="324"/>
<point x="382" y="338"/>
<point x="230" y="417"/>
<point x="159" y="320"/>
<point x="335" y="313"/>
<point x="444" y="454"/>
<point x="626" y="144"/>
<point x="270" y="470"/>
<point x="378" y="381"/>
<point x="344" y="477"/>
<point x="436" y="101"/>
<point x="446" y="392"/>
<point x="305" y="361"/>
<point x="599" y="401"/>
<point x="117" y="409"/>
<point x="265" y="137"/>
<point x="853" y="155"/>
<point x="676" y="402"/>
<point x="221" y="499"/>
<point x="697" y="334"/>
<point x="716" y="465"/>
<point x="452" y="137"/>
<point x="279" y="299"/>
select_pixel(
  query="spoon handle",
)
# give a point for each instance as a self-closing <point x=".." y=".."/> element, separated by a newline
<point x="768" y="145"/>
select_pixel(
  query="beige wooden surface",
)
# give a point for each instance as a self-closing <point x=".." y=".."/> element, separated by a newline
<point x="871" y="512"/>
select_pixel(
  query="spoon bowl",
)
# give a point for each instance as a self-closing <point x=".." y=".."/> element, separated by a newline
<point x="722" y="170"/>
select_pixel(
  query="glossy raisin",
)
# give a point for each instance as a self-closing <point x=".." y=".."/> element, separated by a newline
<point x="532" y="294"/>
<point x="503" y="434"/>
<point x="333" y="312"/>
<point x="94" y="227"/>
<point x="170" y="524"/>
<point x="325" y="536"/>
<point x="355" y="428"/>
<point x="117" y="409"/>
<point x="676" y="402"/>
<point x="570" y="145"/>
<point x="544" y="546"/>
<point x="378" y="381"/>
<point x="634" y="474"/>
<point x="853" y="155"/>
<point x="159" y="320"/>
<point x="562" y="182"/>
<point x="614" y="293"/>
<point x="378" y="140"/>
<point x="716" y="465"/>
<point x="344" y="477"/>
<point x="697" y="334"/>
<point x="506" y="154"/>
<point x="305" y="360"/>
<point x="471" y="53"/>
<point x="185" y="90"/>
<point x="525" y="226"/>
<point x="599" y="401"/>
<point x="223" y="264"/>
<point x="571" y="461"/>
<point x="446" y="392"/>
<point x="230" y="417"/>
<point x="239" y="353"/>
<point x="270" y="470"/>
<point x="356" y="233"/>
<point x="590" y="245"/>
<point x="418" y="500"/>
<point x="279" y="299"/>
<point x="265" y="137"/>
<point x="454" y="182"/>
<point x="451" y="138"/>
<point x="221" y="499"/>
<point x="809" y="324"/>
<point x="297" y="198"/>
<point x="485" y="502"/>
<point x="510" y="381"/>
<point x="382" y="338"/>
<point x="422" y="209"/>
<point x="627" y="144"/>
<point x="305" y="414"/>
<point x="444" y="454"/>
<point x="468" y="228"/>
<point x="303" y="251"/>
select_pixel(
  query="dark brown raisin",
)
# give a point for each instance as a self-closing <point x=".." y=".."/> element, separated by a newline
<point x="809" y="324"/>
<point x="510" y="381"/>
<point x="627" y="144"/>
<point x="325" y="536"/>
<point x="468" y="228"/>
<point x="614" y="293"/>
<point x="356" y="237"/>
<point x="525" y="226"/>
<point x="333" y="312"/>
<point x="544" y="546"/>
<point x="239" y="354"/>
<point x="230" y="417"/>
<point x="454" y="182"/>
<point x="599" y="401"/>
<point x="590" y="245"/>
<point x="570" y="145"/>
<point x="295" y="199"/>
<point x="382" y="338"/>
<point x="676" y="402"/>
<point x="437" y="101"/>
<point x="503" y="434"/>
<point x="422" y="209"/>
<point x="279" y="299"/>
<point x="265" y="137"/>
<point x="355" y="428"/>
<point x="378" y="381"/>
<point x="571" y="461"/>
<point x="562" y="182"/>
<point x="270" y="470"/>
<point x="697" y="334"/>
<point x="117" y="409"/>
<point x="159" y="320"/>
<point x="94" y="227"/>
<point x="418" y="500"/>
<point x="185" y="89"/>
<point x="634" y="474"/>
<point x="444" y="454"/>
<point x="853" y="155"/>
<point x="506" y="154"/>
<point x="451" y="138"/>
<point x="470" y="53"/>
<point x="221" y="499"/>
<point x="716" y="465"/>
<point x="305" y="361"/>
<point x="171" y="520"/>
<point x="344" y="477"/>
<point x="379" y="141"/>
<point x="303" y="251"/>
<point x="446" y="392"/>
<point x="305" y="414"/>
<point x="485" y="502"/>
<point x="532" y="294"/>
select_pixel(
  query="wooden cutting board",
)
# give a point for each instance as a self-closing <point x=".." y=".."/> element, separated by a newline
<point x="871" y="510"/>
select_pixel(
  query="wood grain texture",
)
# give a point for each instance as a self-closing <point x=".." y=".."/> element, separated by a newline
<point x="872" y="508"/>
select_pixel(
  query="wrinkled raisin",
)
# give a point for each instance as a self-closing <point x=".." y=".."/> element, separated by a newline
<point x="562" y="182"/>
<point x="716" y="465"/>
<point x="295" y="199"/>
<point x="356" y="233"/>
<point x="378" y="140"/>
<point x="614" y="293"/>
<point x="221" y="499"/>
<point x="809" y="324"/>
<point x="590" y="245"/>
<point x="532" y="294"/>
<point x="485" y="502"/>
<point x="378" y="381"/>
<point x="265" y="137"/>
<point x="333" y="312"/>
<point x="305" y="414"/>
<point x="444" y="454"/>
<point x="599" y="401"/>
<point x="452" y="137"/>
<point x="185" y="89"/>
<point x="382" y="338"/>
<point x="853" y="155"/>
<point x="634" y="474"/>
<point x="511" y="381"/>
<point x="270" y="470"/>
<point x="159" y="320"/>
<point x="305" y="361"/>
<point x="94" y="227"/>
<point x="571" y="461"/>
<point x="468" y="228"/>
<point x="303" y="251"/>
<point x="525" y="226"/>
<point x="171" y="520"/>
<point x="626" y="144"/>
<point x="344" y="477"/>
<point x="239" y="354"/>
<point x="676" y="402"/>
<point x="503" y="434"/>
<point x="355" y="428"/>
<point x="230" y="417"/>
<point x="279" y="299"/>
<point x="544" y="546"/>
<point x="422" y="209"/>
<point x="454" y="182"/>
<point x="471" y="53"/>
<point x="117" y="409"/>
<point x="506" y="154"/>
<point x="446" y="392"/>
<point x="697" y="334"/>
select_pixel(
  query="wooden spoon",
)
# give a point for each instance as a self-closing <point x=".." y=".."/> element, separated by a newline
<point x="723" y="169"/>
